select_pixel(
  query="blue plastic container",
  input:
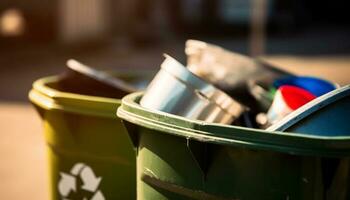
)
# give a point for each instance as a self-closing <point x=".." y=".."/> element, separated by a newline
<point x="316" y="86"/>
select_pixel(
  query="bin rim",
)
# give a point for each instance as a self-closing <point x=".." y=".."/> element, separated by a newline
<point x="291" y="143"/>
<point x="52" y="99"/>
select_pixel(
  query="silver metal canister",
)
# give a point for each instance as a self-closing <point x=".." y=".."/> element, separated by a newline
<point x="177" y="91"/>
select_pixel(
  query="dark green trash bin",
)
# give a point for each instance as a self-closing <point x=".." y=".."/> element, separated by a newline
<point x="179" y="158"/>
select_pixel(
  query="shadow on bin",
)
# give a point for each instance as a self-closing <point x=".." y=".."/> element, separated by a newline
<point x="90" y="155"/>
<point x="179" y="158"/>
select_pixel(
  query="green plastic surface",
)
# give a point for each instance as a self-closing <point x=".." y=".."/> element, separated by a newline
<point x="83" y="129"/>
<point x="179" y="158"/>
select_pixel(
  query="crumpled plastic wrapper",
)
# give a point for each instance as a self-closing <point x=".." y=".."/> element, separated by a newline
<point x="234" y="73"/>
<point x="218" y="65"/>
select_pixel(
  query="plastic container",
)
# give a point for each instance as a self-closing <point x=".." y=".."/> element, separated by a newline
<point x="328" y="115"/>
<point x="179" y="158"/>
<point x="90" y="155"/>
<point x="314" y="85"/>
<point x="286" y="100"/>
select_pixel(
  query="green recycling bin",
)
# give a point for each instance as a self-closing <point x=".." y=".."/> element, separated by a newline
<point x="90" y="155"/>
<point x="179" y="158"/>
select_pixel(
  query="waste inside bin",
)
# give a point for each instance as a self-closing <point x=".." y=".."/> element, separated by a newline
<point x="90" y="155"/>
<point x="287" y="99"/>
<point x="99" y="76"/>
<point x="231" y="72"/>
<point x="314" y="85"/>
<point x="327" y="115"/>
<point x="176" y="90"/>
<point x="178" y="158"/>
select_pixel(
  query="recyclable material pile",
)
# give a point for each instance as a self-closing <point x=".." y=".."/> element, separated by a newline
<point x="225" y="87"/>
<point x="215" y="86"/>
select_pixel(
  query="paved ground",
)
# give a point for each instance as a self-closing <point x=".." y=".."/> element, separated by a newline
<point x="23" y="169"/>
<point x="333" y="68"/>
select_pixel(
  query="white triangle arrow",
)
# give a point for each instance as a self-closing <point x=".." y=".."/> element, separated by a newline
<point x="90" y="181"/>
<point x="98" y="196"/>
<point x="76" y="169"/>
<point x="67" y="183"/>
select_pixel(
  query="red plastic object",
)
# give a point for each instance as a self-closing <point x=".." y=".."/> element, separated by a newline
<point x="295" y="97"/>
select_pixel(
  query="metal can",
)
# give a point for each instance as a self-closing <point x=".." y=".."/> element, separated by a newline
<point x="178" y="91"/>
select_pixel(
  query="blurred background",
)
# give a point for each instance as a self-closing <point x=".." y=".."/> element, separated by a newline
<point x="38" y="36"/>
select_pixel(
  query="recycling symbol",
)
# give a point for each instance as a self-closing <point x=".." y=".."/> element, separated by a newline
<point x="83" y="175"/>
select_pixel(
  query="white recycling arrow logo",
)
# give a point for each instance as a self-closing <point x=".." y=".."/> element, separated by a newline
<point x="90" y="182"/>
